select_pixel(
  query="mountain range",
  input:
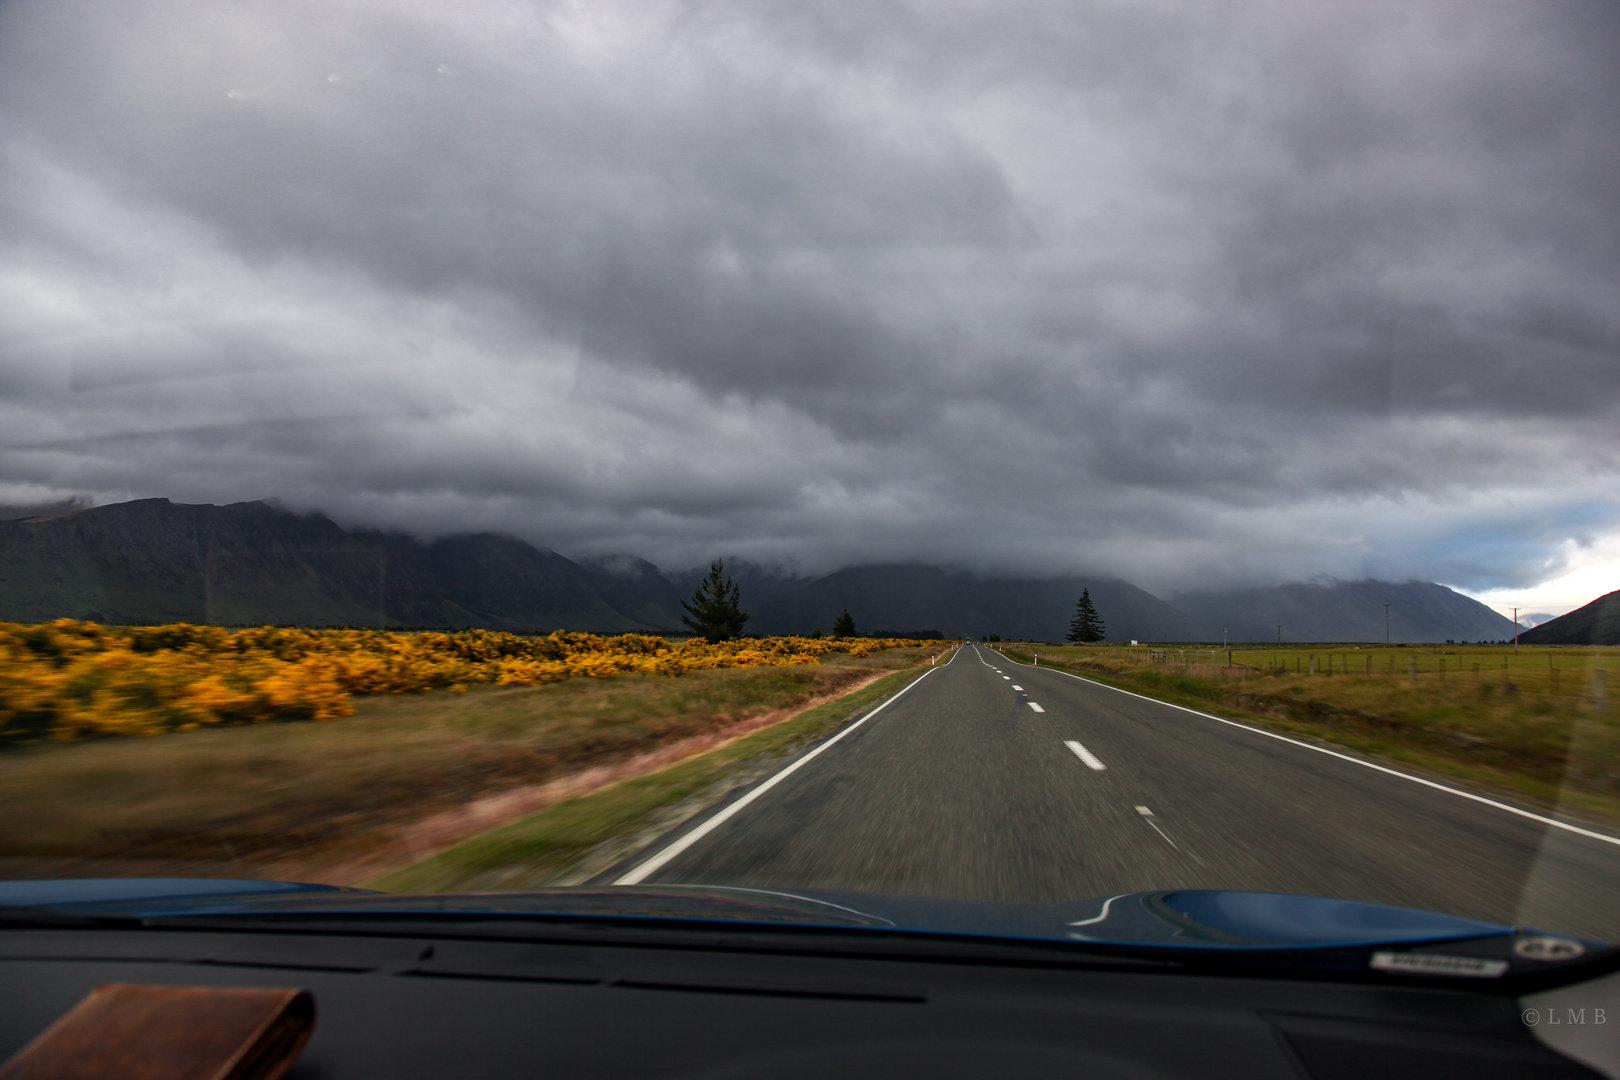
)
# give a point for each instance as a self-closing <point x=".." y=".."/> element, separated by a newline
<point x="1598" y="623"/>
<point x="154" y="561"/>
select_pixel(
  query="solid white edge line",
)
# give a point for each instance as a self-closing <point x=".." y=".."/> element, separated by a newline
<point x="1606" y="838"/>
<point x="641" y="871"/>
<point x="1085" y="755"/>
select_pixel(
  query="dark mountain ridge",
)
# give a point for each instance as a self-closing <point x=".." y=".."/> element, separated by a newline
<point x="1344" y="611"/>
<point x="960" y="604"/>
<point x="154" y="561"/>
<point x="1598" y="623"/>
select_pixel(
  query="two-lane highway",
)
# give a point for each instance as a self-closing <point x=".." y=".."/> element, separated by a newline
<point x="992" y="780"/>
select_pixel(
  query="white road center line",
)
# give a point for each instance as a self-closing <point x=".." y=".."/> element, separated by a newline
<point x="1147" y="815"/>
<point x="1017" y="687"/>
<point x="1036" y="707"/>
<point x="1007" y="677"/>
<point x="1514" y="810"/>
<point x="1086" y="756"/>
<point x="1161" y="832"/>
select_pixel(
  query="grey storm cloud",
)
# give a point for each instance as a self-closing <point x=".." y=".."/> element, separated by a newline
<point x="1187" y="293"/>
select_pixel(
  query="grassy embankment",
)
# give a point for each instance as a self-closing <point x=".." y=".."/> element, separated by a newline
<point x="573" y="840"/>
<point x="1541" y="725"/>
<point x="351" y="798"/>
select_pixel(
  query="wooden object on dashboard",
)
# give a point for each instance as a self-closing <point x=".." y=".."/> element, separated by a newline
<point x="171" y="1033"/>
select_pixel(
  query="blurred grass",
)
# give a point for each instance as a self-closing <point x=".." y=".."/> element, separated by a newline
<point x="1540" y="724"/>
<point x="544" y="847"/>
<point x="241" y="801"/>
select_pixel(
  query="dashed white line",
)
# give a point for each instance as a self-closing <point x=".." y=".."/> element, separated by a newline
<point x="1470" y="796"/>
<point x="1148" y="816"/>
<point x="1036" y="707"/>
<point x="1007" y="677"/>
<point x="1017" y="687"/>
<point x="1088" y="757"/>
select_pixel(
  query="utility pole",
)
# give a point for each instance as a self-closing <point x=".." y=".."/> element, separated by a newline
<point x="1515" y="631"/>
<point x="1386" y="626"/>
<point x="1279" y="633"/>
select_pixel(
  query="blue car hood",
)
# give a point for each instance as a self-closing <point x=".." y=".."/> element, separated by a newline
<point x="1200" y="918"/>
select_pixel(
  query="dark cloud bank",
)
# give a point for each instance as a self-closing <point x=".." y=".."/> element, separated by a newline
<point x="1196" y="296"/>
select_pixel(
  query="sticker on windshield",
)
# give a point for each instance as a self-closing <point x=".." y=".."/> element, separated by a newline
<point x="1466" y="967"/>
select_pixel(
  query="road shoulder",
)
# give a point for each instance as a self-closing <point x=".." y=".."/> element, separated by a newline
<point x="581" y="838"/>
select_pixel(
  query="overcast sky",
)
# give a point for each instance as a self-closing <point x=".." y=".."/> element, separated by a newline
<point x="1196" y="294"/>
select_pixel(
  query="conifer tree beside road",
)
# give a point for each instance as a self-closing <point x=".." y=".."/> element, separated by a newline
<point x="844" y="625"/>
<point x="1087" y="625"/>
<point x="715" y="612"/>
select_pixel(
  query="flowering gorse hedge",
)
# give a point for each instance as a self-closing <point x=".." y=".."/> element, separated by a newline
<point x="69" y="679"/>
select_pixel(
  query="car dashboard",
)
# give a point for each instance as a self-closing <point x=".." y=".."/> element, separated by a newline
<point x="407" y="1000"/>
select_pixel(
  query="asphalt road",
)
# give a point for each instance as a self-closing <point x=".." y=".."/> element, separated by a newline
<point x="991" y="780"/>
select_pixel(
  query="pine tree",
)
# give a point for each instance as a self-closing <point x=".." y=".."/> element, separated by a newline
<point x="1086" y="625"/>
<point x="844" y="626"/>
<point x="714" y="612"/>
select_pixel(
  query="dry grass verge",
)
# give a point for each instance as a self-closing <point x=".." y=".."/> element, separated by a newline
<point x="576" y="839"/>
<point x="343" y="800"/>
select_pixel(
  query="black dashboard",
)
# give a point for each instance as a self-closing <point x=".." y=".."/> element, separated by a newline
<point x="403" y="1003"/>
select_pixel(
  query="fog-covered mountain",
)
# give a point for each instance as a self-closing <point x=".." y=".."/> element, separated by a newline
<point x="1344" y="611"/>
<point x="156" y="561"/>
<point x="914" y="597"/>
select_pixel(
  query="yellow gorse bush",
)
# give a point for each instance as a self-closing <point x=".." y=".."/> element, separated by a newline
<point x="69" y="679"/>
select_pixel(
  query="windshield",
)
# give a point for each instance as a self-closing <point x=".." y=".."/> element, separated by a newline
<point x="1033" y="470"/>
